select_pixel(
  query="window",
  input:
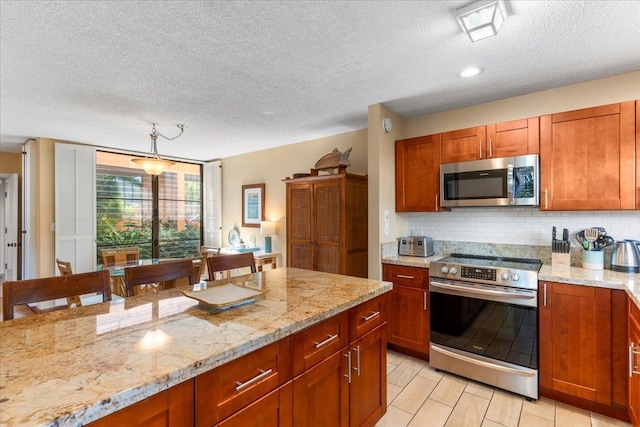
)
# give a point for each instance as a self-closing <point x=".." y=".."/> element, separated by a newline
<point x="126" y="197"/>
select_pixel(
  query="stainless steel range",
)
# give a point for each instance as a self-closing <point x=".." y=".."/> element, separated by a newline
<point x="484" y="320"/>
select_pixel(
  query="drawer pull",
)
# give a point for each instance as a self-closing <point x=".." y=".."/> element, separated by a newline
<point x="632" y="362"/>
<point x="327" y="341"/>
<point x="255" y="379"/>
<point x="371" y="316"/>
<point x="348" y="374"/>
<point x="404" y="276"/>
<point x="357" y="368"/>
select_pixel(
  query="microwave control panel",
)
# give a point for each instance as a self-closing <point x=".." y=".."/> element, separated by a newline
<point x="478" y="273"/>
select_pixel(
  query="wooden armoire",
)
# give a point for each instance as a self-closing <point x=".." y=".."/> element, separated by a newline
<point x="327" y="223"/>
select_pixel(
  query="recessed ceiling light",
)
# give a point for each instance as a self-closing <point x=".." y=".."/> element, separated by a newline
<point x="470" y="72"/>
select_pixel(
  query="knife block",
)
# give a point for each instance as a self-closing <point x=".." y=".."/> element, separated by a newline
<point x="559" y="260"/>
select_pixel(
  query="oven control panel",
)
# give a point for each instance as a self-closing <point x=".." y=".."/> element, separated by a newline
<point x="478" y="273"/>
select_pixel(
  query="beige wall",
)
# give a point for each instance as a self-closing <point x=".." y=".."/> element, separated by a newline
<point x="45" y="209"/>
<point x="271" y="167"/>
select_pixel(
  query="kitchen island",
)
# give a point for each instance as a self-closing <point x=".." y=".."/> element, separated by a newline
<point x="75" y="366"/>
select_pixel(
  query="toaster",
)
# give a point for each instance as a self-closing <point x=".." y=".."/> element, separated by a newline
<point x="415" y="246"/>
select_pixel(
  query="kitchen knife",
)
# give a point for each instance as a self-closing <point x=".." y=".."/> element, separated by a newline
<point x="553" y="233"/>
<point x="565" y="235"/>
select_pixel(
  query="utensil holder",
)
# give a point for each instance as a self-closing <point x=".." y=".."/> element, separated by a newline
<point x="593" y="260"/>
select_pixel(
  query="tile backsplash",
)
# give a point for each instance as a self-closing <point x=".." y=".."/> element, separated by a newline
<point x="519" y="226"/>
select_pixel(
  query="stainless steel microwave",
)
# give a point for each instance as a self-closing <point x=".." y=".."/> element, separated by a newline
<point x="505" y="181"/>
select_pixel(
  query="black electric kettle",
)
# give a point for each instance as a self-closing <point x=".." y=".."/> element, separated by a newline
<point x="626" y="256"/>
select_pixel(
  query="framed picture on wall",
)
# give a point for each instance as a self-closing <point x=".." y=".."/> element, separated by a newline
<point x="252" y="205"/>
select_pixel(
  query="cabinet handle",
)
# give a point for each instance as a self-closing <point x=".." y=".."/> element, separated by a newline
<point x="371" y="316"/>
<point x="546" y="200"/>
<point x="490" y="148"/>
<point x="424" y="300"/>
<point x="404" y="276"/>
<point x="357" y="367"/>
<point x="348" y="374"/>
<point x="480" y="148"/>
<point x="437" y="202"/>
<point x="257" y="378"/>
<point x="544" y="293"/>
<point x="632" y="359"/>
<point x="325" y="342"/>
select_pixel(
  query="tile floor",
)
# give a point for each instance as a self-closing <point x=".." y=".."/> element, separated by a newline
<point x="419" y="396"/>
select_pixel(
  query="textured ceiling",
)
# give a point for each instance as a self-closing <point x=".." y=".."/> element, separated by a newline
<point x="251" y="75"/>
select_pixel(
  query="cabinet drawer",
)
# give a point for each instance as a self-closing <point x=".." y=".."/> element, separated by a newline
<point x="366" y="317"/>
<point x="250" y="377"/>
<point x="411" y="277"/>
<point x="318" y="342"/>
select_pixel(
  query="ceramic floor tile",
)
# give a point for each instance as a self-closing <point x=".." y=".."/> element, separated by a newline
<point x="531" y="420"/>
<point x="543" y="408"/>
<point x="469" y="411"/>
<point x="414" y="394"/>
<point x="505" y="408"/>
<point x="570" y="416"/>
<point x="392" y="391"/>
<point x="390" y="367"/>
<point x="448" y="390"/>
<point x="598" y="420"/>
<point x="489" y="423"/>
<point x="404" y="373"/>
<point x="430" y="373"/>
<point x="394" y="357"/>
<point x="479" y="389"/>
<point x="394" y="418"/>
<point x="431" y="414"/>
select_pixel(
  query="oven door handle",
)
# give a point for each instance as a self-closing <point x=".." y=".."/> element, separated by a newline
<point x="483" y="363"/>
<point x="481" y="291"/>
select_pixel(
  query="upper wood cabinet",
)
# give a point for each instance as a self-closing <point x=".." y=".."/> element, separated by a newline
<point x="464" y="145"/>
<point x="638" y="154"/>
<point x="327" y="224"/>
<point x="587" y="159"/>
<point x="418" y="174"/>
<point x="515" y="138"/>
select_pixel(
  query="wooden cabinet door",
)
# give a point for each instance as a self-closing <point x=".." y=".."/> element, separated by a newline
<point x="575" y="341"/>
<point x="418" y="174"/>
<point x="515" y="138"/>
<point x="272" y="410"/>
<point x="464" y="145"/>
<point x="408" y="312"/>
<point x="368" y="390"/>
<point x="170" y="408"/>
<point x="321" y="394"/>
<point x="634" y="361"/>
<point x="587" y="159"/>
<point x="300" y="226"/>
<point x="327" y="205"/>
<point x="638" y="154"/>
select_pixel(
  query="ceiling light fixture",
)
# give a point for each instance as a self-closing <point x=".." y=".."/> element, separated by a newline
<point x="470" y="72"/>
<point x="481" y="19"/>
<point x="153" y="164"/>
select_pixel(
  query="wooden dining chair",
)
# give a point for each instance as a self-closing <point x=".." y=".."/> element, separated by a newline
<point x="65" y="270"/>
<point x="112" y="256"/>
<point x="157" y="276"/>
<point x="50" y="288"/>
<point x="206" y="252"/>
<point x="226" y="263"/>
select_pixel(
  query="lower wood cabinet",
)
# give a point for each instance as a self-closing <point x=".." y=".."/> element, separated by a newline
<point x="408" y="307"/>
<point x="172" y="407"/>
<point x="580" y="349"/>
<point x="634" y="362"/>
<point x="274" y="409"/>
<point x="368" y="389"/>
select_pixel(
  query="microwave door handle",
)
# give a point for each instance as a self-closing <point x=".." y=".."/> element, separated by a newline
<point x="510" y="184"/>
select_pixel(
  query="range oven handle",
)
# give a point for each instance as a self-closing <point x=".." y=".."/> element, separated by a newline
<point x="482" y="363"/>
<point x="444" y="286"/>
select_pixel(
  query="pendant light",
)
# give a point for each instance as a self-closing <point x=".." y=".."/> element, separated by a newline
<point x="153" y="164"/>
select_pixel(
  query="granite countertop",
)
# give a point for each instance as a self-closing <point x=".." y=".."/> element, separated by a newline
<point x="74" y="366"/>
<point x="572" y="275"/>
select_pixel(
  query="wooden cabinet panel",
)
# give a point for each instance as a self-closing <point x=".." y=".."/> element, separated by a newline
<point x="464" y="145"/>
<point x="418" y="174"/>
<point x="368" y="392"/>
<point x="366" y="317"/>
<point x="515" y="138"/>
<point x="170" y="408"/>
<point x="619" y="347"/>
<point x="327" y="226"/>
<point x="249" y="377"/>
<point x="634" y="359"/>
<point x="638" y="154"/>
<point x="272" y="410"/>
<point x="408" y="308"/>
<point x="321" y="394"/>
<point x="587" y="159"/>
<point x="319" y="341"/>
